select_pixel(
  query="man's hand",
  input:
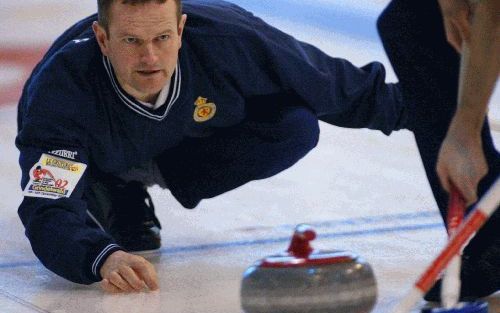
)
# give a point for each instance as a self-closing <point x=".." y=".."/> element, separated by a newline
<point x="125" y="272"/>
<point x="461" y="161"/>
<point x="456" y="18"/>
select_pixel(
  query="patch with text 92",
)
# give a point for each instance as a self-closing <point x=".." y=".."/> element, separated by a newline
<point x="53" y="177"/>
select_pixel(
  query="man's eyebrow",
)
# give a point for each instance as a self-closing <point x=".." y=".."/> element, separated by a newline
<point x="125" y="33"/>
<point x="166" y="31"/>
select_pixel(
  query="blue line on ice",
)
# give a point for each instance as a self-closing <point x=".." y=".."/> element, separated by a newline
<point x="358" y="233"/>
<point x="359" y="221"/>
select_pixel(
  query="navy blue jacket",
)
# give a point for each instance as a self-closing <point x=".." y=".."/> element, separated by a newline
<point x="72" y="102"/>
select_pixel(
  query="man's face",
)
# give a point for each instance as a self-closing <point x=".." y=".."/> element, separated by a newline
<point x="142" y="45"/>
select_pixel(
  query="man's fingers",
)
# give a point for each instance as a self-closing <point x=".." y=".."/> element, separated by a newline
<point x="470" y="175"/>
<point x="128" y="273"/>
<point x="109" y="287"/>
<point x="117" y="280"/>
<point x="131" y="277"/>
<point x="466" y="188"/>
<point x="466" y="183"/>
<point x="443" y="176"/>
<point x="462" y="183"/>
<point x="147" y="272"/>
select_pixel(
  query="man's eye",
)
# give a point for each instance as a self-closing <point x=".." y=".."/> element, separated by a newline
<point x="163" y="37"/>
<point x="130" y="40"/>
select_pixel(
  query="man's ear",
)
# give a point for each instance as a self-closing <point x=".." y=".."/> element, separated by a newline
<point x="180" y="28"/>
<point x="101" y="36"/>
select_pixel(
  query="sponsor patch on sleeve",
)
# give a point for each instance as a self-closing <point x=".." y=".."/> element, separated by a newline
<point x="53" y="177"/>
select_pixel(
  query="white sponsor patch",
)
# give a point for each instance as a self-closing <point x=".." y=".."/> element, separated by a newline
<point x="53" y="177"/>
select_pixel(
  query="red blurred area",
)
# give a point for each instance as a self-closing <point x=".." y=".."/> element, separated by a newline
<point x="25" y="58"/>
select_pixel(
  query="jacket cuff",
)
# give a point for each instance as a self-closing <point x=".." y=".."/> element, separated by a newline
<point x="101" y="258"/>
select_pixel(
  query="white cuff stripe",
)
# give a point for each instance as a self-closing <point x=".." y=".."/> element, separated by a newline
<point x="99" y="257"/>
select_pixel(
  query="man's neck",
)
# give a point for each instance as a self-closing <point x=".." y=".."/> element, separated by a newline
<point x="149" y="98"/>
<point x="156" y="101"/>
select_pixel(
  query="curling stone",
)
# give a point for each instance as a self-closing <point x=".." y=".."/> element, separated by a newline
<point x="303" y="280"/>
<point x="464" y="307"/>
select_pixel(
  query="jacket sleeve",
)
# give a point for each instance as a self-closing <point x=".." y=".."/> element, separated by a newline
<point x="336" y="90"/>
<point x="55" y="165"/>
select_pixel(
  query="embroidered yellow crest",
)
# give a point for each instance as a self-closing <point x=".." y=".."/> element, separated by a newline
<point x="204" y="110"/>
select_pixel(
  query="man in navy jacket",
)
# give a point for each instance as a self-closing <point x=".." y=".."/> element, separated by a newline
<point x="199" y="103"/>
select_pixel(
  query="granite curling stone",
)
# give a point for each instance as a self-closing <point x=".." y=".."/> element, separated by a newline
<point x="303" y="280"/>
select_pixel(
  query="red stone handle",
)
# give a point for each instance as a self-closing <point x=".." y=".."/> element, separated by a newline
<point x="300" y="246"/>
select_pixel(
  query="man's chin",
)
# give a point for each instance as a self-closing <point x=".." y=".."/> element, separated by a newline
<point x="150" y="87"/>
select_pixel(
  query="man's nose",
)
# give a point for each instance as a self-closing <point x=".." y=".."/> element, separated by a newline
<point x="149" y="54"/>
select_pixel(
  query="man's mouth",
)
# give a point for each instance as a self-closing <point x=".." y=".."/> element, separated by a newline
<point x="148" y="72"/>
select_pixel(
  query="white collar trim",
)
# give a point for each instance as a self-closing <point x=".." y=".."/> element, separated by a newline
<point x="135" y="105"/>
